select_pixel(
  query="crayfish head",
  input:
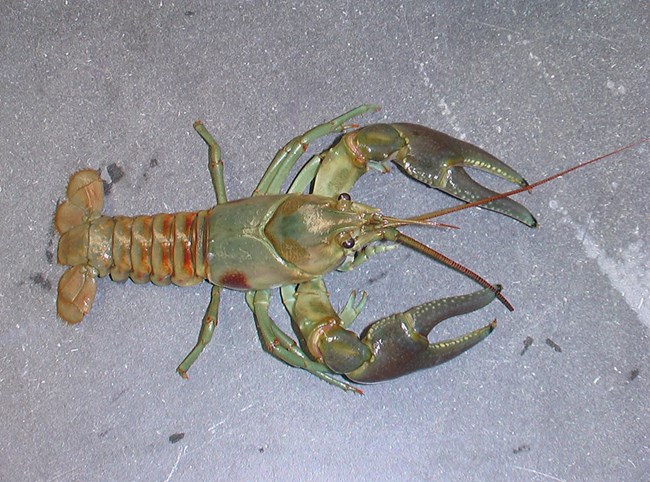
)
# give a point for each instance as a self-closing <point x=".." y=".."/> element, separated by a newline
<point x="316" y="233"/>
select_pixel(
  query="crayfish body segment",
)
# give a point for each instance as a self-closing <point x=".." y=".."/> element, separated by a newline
<point x="291" y="241"/>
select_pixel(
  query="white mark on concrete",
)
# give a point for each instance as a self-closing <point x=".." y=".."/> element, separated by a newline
<point x="421" y="67"/>
<point x="546" y="74"/>
<point x="537" y="472"/>
<point x="178" y="459"/>
<point x="213" y="429"/>
<point x="616" y="90"/>
<point x="628" y="272"/>
<point x="442" y="104"/>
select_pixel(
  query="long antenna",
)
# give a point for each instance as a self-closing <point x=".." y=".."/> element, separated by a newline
<point x="438" y="256"/>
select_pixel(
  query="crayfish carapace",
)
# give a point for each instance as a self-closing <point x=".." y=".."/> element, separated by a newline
<point x="291" y="241"/>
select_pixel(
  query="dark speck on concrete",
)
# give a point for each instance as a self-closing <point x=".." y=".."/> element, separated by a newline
<point x="379" y="277"/>
<point x="40" y="280"/>
<point x="521" y="448"/>
<point x="176" y="437"/>
<point x="553" y="345"/>
<point x="115" y="172"/>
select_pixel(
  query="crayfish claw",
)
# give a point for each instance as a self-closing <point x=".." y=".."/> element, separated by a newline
<point x="399" y="344"/>
<point x="438" y="160"/>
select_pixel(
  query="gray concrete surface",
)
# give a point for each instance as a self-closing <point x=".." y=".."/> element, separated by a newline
<point x="541" y="85"/>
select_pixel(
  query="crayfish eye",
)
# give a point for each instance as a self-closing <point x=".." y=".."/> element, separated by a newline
<point x="348" y="243"/>
<point x="344" y="196"/>
<point x="346" y="240"/>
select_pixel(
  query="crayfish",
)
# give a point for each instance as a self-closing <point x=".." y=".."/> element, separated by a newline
<point x="290" y="241"/>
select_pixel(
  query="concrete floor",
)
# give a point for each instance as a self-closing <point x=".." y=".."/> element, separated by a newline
<point x="558" y="392"/>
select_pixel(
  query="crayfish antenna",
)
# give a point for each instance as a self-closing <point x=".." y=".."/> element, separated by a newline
<point x="401" y="238"/>
<point x="393" y="222"/>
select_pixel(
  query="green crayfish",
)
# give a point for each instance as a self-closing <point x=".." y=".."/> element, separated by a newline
<point x="291" y="241"/>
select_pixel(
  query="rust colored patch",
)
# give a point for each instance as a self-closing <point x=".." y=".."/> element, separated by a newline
<point x="234" y="279"/>
<point x="187" y="253"/>
<point x="166" y="235"/>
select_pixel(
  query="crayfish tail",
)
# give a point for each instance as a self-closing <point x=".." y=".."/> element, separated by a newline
<point x="77" y="286"/>
<point x="85" y="201"/>
<point x="76" y="293"/>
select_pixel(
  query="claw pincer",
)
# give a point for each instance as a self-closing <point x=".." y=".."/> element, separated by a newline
<point x="439" y="160"/>
<point x="399" y="343"/>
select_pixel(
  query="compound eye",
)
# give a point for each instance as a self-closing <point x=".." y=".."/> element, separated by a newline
<point x="348" y="243"/>
<point x="344" y="196"/>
